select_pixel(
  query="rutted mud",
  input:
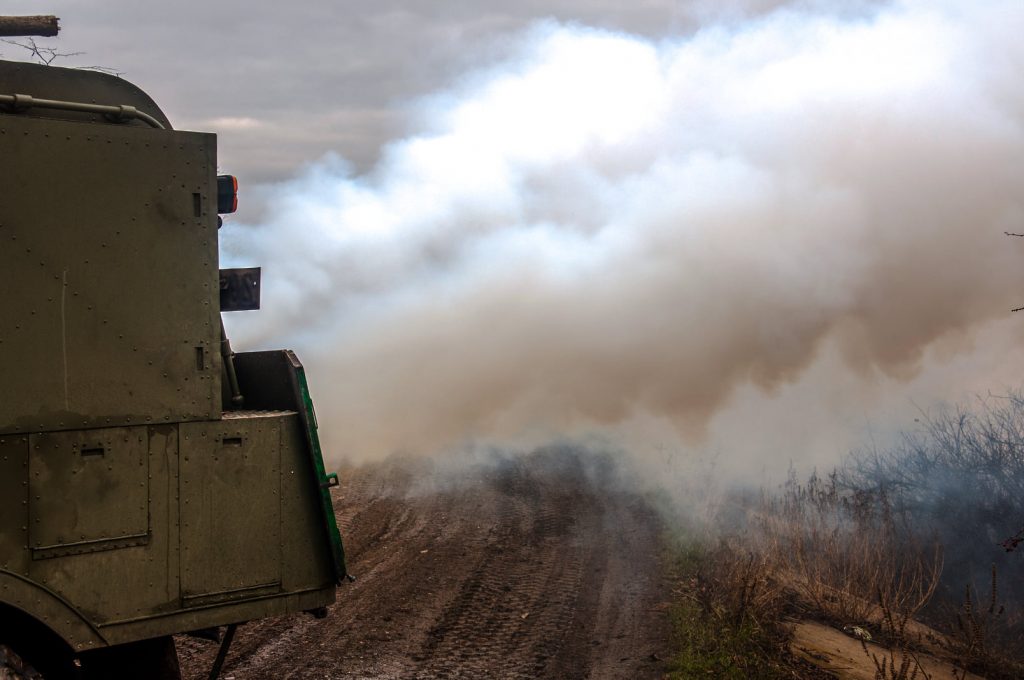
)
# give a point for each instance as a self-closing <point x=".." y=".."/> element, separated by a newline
<point x="537" y="566"/>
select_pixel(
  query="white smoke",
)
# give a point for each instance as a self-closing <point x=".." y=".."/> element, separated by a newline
<point x="758" y="237"/>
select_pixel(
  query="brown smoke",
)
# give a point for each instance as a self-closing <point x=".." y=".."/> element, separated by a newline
<point x="607" y="231"/>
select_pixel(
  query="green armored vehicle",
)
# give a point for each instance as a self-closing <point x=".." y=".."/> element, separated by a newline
<point x="151" y="481"/>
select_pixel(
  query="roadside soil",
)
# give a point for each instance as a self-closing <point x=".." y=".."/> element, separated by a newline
<point x="536" y="566"/>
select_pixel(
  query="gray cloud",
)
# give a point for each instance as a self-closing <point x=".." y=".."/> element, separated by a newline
<point x="326" y="76"/>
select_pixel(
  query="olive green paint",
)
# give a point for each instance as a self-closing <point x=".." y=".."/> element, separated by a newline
<point x="132" y="503"/>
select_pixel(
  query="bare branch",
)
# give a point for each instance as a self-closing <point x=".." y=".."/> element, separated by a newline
<point x="102" y="69"/>
<point x="42" y="54"/>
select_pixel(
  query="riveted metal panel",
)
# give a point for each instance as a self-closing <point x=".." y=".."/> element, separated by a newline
<point x="14" y="503"/>
<point x="108" y="235"/>
<point x="230" y="509"/>
<point x="44" y="605"/>
<point x="88" y="491"/>
<point x="236" y="611"/>
<point x="306" y="555"/>
<point x="77" y="85"/>
<point x="127" y="578"/>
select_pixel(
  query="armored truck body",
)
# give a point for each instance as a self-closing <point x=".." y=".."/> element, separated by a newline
<point x="151" y="481"/>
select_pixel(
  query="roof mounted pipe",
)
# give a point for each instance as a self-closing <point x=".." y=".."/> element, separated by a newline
<point x="116" y="114"/>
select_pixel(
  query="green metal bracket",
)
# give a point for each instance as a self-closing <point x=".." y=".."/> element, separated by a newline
<point x="324" y="479"/>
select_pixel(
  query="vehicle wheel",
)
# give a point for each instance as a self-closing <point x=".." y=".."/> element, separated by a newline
<point x="28" y="649"/>
<point x="13" y="667"/>
<point x="156" y="659"/>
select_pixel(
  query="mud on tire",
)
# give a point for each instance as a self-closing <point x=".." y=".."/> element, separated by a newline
<point x="12" y="667"/>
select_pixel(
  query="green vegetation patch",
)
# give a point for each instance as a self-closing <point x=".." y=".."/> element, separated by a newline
<point x="726" y="619"/>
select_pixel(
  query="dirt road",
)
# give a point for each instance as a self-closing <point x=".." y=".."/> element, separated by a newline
<point x="539" y="566"/>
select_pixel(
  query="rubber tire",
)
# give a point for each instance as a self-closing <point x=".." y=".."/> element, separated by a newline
<point x="156" y="659"/>
<point x="13" y="667"/>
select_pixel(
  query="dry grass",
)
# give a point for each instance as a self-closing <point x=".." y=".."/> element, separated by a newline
<point x="740" y="586"/>
<point x="727" y="616"/>
<point x="976" y="637"/>
<point x="850" y="558"/>
<point x="961" y="477"/>
<point x="887" y="668"/>
<point x="896" y="536"/>
<point x="809" y="551"/>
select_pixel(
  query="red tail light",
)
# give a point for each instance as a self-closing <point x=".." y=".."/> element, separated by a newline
<point x="227" y="194"/>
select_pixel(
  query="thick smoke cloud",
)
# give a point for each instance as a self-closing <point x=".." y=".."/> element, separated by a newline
<point x="610" y="234"/>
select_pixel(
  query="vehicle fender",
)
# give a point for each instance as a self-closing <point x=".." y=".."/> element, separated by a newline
<point x="50" y="609"/>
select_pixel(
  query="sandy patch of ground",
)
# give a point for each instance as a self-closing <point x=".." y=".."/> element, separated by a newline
<point x="850" y="659"/>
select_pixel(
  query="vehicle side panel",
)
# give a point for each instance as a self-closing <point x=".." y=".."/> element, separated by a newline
<point x="110" y="239"/>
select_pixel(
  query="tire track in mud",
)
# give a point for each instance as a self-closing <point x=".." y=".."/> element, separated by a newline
<point x="538" y="566"/>
<point x="518" y="597"/>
